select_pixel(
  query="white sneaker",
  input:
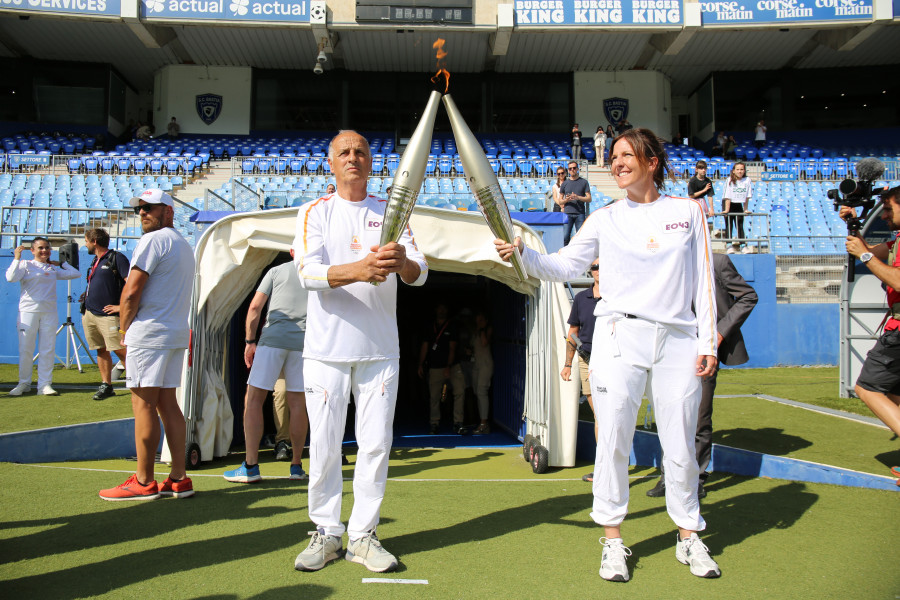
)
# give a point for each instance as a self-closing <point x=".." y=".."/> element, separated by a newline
<point x="48" y="391"/>
<point x="322" y="549"/>
<point x="730" y="250"/>
<point x="746" y="250"/>
<point x="612" y="563"/>
<point x="22" y="388"/>
<point x="693" y="552"/>
<point x="369" y="552"/>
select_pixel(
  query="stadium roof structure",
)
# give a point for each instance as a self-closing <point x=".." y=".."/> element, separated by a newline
<point x="138" y="37"/>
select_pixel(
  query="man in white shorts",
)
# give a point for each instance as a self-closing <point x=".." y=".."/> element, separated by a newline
<point x="279" y="349"/>
<point x="351" y="346"/>
<point x="154" y="311"/>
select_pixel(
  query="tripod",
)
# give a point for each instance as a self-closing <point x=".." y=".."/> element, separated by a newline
<point x="71" y="334"/>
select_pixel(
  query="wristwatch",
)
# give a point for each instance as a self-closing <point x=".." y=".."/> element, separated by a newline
<point x="866" y="257"/>
<point x="250" y="341"/>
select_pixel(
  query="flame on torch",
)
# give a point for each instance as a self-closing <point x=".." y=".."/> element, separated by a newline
<point x="440" y="54"/>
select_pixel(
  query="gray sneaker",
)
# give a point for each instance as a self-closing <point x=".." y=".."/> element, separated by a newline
<point x="693" y="552"/>
<point x="369" y="552"/>
<point x="612" y="562"/>
<point x="322" y="549"/>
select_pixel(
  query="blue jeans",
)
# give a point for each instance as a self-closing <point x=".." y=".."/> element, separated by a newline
<point x="575" y="221"/>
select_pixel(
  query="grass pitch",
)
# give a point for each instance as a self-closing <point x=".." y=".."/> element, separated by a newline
<point x="474" y="523"/>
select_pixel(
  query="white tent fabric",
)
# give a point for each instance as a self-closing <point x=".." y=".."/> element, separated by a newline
<point x="233" y="252"/>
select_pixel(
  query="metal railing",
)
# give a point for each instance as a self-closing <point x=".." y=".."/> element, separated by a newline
<point x="22" y="223"/>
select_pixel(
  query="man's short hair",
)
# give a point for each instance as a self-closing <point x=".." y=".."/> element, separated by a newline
<point x="892" y="194"/>
<point x="572" y="162"/>
<point x="701" y="164"/>
<point x="97" y="236"/>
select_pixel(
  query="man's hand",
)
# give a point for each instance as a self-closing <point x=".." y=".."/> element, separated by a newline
<point x="505" y="249"/>
<point x="446" y="372"/>
<point x="719" y="339"/>
<point x="249" y="354"/>
<point x="706" y="365"/>
<point x="391" y="257"/>
<point x="566" y="373"/>
<point x="847" y="212"/>
<point x="421" y="372"/>
<point x="111" y="309"/>
<point x="856" y="246"/>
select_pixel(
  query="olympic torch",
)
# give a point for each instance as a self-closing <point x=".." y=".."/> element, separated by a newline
<point x="409" y="175"/>
<point x="483" y="182"/>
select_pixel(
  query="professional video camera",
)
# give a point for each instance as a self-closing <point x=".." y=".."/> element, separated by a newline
<point x="857" y="194"/>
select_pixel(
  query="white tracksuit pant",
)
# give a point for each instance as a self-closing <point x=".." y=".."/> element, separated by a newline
<point x="374" y="386"/>
<point x="29" y="326"/>
<point x="625" y="353"/>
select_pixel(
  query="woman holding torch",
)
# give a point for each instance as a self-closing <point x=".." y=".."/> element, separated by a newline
<point x="656" y="321"/>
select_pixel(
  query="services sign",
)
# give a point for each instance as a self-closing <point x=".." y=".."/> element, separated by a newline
<point x="292" y="11"/>
<point x="598" y="13"/>
<point x="84" y="8"/>
<point x="724" y="12"/>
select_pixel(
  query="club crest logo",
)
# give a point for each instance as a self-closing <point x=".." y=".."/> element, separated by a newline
<point x="209" y="107"/>
<point x="615" y="109"/>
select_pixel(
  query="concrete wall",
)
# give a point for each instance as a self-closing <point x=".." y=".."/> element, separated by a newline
<point x="176" y="88"/>
<point x="648" y="93"/>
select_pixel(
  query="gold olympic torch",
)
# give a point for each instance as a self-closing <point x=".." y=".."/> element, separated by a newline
<point x="409" y="175"/>
<point x="483" y="182"/>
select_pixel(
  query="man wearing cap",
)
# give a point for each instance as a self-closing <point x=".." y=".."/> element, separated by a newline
<point x="153" y="313"/>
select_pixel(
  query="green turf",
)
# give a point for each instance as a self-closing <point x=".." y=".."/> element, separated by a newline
<point x="527" y="538"/>
<point x="33" y="411"/>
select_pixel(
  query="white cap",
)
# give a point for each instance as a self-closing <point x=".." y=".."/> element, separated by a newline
<point x="152" y="196"/>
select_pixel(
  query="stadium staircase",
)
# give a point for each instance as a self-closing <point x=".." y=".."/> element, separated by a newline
<point x="219" y="174"/>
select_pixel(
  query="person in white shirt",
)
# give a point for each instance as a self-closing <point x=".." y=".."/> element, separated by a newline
<point x="37" y="312"/>
<point x="760" y="137"/>
<point x="153" y="316"/>
<point x="736" y="202"/>
<point x="656" y="321"/>
<point x="351" y="346"/>
<point x="600" y="146"/>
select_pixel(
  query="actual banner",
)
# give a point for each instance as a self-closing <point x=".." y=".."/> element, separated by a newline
<point x="598" y="13"/>
<point x="282" y="11"/>
<point x="81" y="8"/>
<point x="766" y="12"/>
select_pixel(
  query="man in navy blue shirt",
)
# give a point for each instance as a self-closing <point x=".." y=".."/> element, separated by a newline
<point x="105" y="280"/>
<point x="581" y="330"/>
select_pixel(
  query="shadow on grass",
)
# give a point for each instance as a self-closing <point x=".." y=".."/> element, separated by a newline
<point x="305" y="591"/>
<point x="414" y="460"/>
<point x="733" y="520"/>
<point x="769" y="440"/>
<point x="127" y="522"/>
<point x="889" y="459"/>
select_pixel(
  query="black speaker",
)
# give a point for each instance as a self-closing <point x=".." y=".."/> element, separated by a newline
<point x="68" y="252"/>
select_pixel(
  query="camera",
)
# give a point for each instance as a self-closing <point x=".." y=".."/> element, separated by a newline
<point x="857" y="193"/>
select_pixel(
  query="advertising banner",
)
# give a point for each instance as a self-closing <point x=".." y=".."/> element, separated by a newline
<point x="31" y="160"/>
<point x="282" y="11"/>
<point x="784" y="11"/>
<point x="598" y="13"/>
<point x="83" y="8"/>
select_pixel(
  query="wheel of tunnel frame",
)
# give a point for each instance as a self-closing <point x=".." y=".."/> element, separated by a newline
<point x="539" y="460"/>
<point x="192" y="455"/>
<point x="526" y="453"/>
<point x="529" y="450"/>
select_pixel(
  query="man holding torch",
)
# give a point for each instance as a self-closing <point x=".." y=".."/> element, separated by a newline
<point x="351" y="347"/>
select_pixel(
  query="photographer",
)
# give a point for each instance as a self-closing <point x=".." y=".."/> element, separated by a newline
<point x="581" y="328"/>
<point x="878" y="384"/>
<point x="37" y="312"/>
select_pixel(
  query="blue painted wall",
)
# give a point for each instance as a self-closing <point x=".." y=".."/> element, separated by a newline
<point x="776" y="334"/>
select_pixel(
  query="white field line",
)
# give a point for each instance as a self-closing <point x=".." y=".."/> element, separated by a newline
<point x="411" y="581"/>
<point x="397" y="479"/>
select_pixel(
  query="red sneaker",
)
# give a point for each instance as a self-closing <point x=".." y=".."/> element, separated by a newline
<point x="895" y="471"/>
<point x="177" y="489"/>
<point x="131" y="490"/>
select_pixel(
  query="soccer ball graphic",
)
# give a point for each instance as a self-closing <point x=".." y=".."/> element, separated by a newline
<point x="239" y="7"/>
<point x="317" y="12"/>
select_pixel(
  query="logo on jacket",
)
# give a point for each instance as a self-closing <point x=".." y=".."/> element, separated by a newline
<point x="209" y="107"/>
<point x="676" y="226"/>
<point x="355" y="244"/>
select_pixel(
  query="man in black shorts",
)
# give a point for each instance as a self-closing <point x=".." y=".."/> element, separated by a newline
<point x="878" y="384"/>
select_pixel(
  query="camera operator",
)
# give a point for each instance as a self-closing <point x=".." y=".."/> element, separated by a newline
<point x="879" y="381"/>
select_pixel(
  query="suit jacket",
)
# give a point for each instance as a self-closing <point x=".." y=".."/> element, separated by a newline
<point x="735" y="300"/>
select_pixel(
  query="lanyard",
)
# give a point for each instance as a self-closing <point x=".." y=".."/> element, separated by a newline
<point x="96" y="264"/>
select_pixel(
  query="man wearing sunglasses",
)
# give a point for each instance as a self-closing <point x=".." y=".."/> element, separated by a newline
<point x="574" y="192"/>
<point x="37" y="312"/>
<point x="153" y="314"/>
